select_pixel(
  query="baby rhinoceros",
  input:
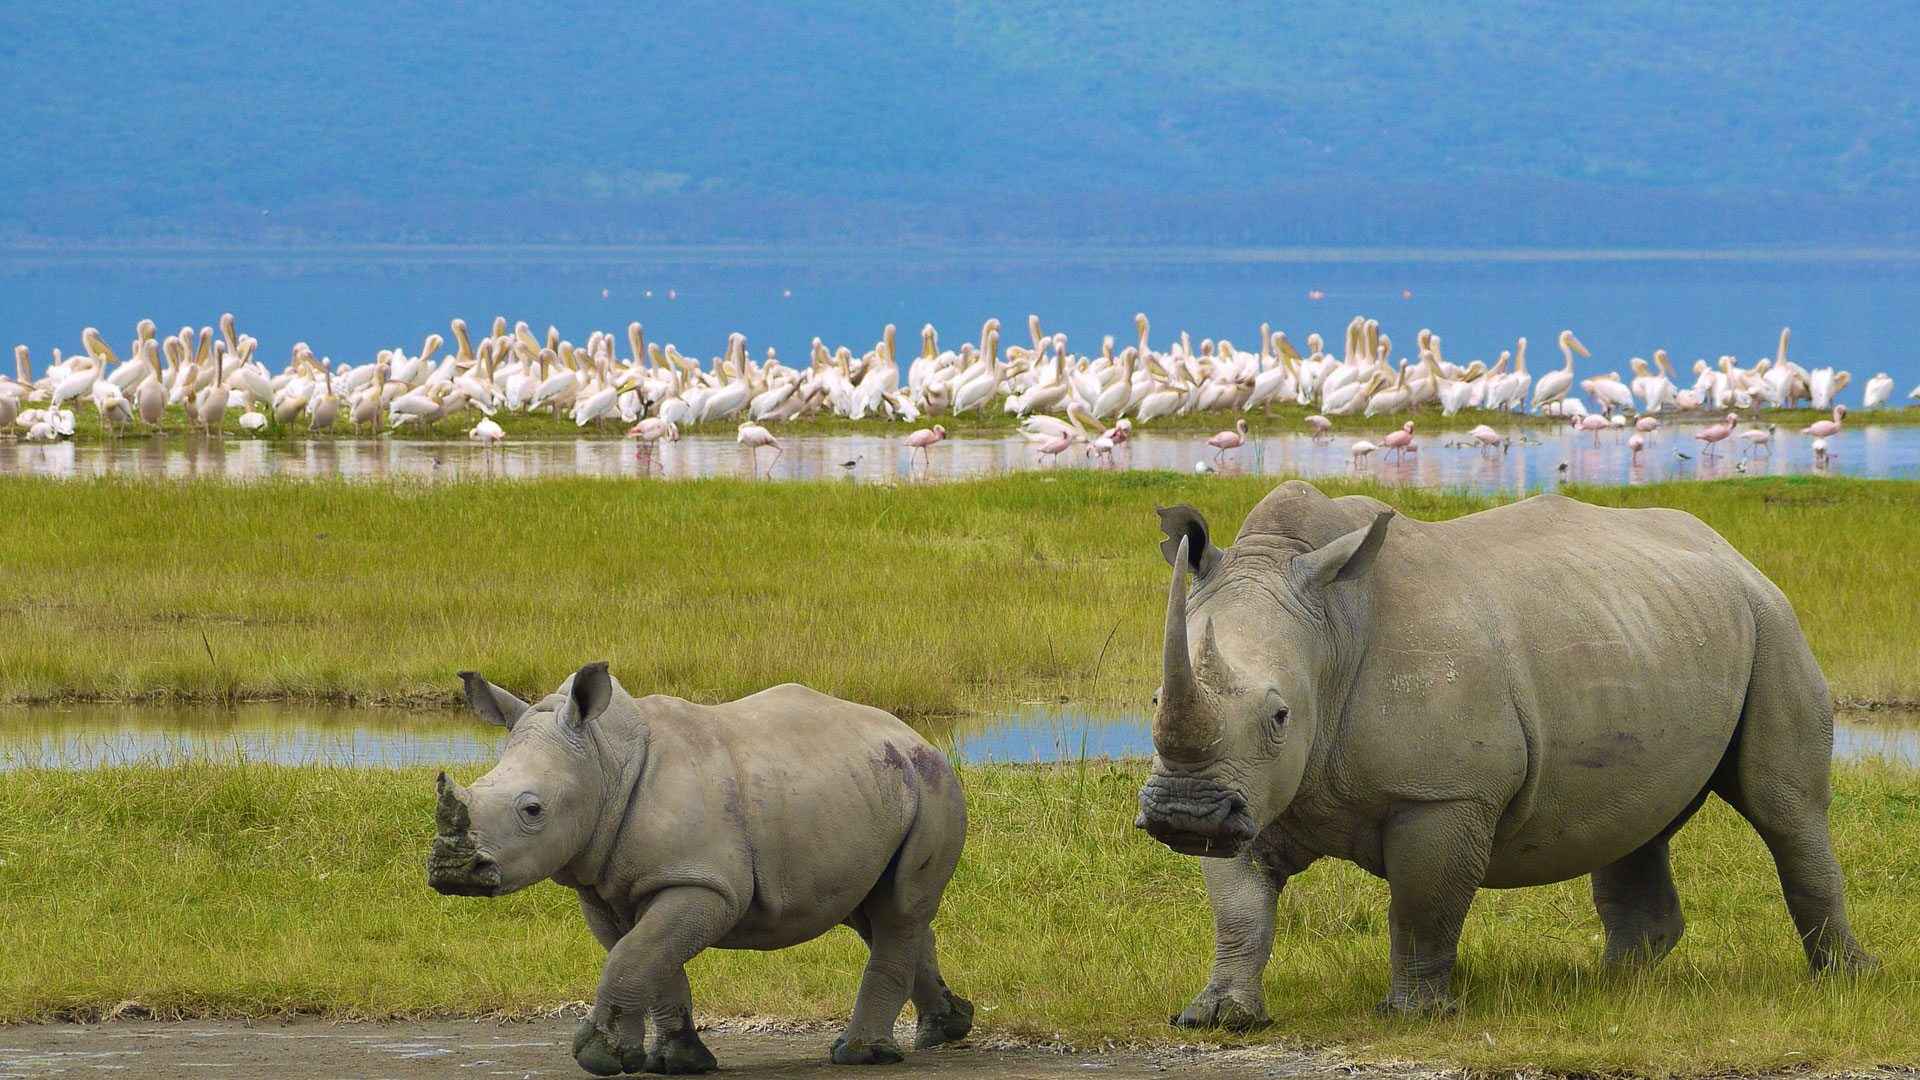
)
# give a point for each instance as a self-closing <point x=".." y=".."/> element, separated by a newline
<point x="756" y="824"/>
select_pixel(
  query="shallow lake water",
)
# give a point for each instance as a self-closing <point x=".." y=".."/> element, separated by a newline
<point x="94" y="736"/>
<point x="1533" y="460"/>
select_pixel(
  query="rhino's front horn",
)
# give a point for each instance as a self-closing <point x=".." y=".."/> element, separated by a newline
<point x="451" y="814"/>
<point x="1181" y="729"/>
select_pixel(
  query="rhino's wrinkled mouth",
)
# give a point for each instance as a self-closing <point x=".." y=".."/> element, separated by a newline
<point x="1195" y="816"/>
<point x="457" y="867"/>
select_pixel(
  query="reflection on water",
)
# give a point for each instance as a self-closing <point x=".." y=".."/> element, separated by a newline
<point x="1536" y="458"/>
<point x="95" y="736"/>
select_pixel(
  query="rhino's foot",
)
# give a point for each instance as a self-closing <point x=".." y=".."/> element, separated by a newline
<point x="950" y="1024"/>
<point x="1849" y="960"/>
<point x="881" y="1051"/>
<point x="680" y="1054"/>
<point x="598" y="1052"/>
<point x="1420" y="1004"/>
<point x="1217" y="1008"/>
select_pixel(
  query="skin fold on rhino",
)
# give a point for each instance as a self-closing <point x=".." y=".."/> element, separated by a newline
<point x="1521" y="696"/>
<point x="757" y="824"/>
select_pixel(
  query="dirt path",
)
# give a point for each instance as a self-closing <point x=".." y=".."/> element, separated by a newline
<point x="318" y="1050"/>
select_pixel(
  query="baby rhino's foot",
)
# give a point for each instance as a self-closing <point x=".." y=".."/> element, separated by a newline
<point x="880" y="1051"/>
<point x="950" y="1024"/>
<point x="597" y="1052"/>
<point x="680" y="1054"/>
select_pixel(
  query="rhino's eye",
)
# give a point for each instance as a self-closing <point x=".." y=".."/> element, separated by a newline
<point x="531" y="812"/>
<point x="1280" y="716"/>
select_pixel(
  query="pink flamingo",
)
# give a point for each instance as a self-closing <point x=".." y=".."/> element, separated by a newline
<point x="1055" y="446"/>
<point x="924" y="438"/>
<point x="1400" y="441"/>
<point x="1593" y="422"/>
<point x="1716" y="433"/>
<point x="1636" y="443"/>
<point x="1823" y="429"/>
<point x="1648" y="424"/>
<point x="650" y="431"/>
<point x="753" y="437"/>
<point x="1229" y="440"/>
<point x="1320" y="425"/>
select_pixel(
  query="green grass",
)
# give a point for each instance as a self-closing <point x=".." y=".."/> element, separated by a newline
<point x="243" y="890"/>
<point x="923" y="599"/>
<point x="1280" y="419"/>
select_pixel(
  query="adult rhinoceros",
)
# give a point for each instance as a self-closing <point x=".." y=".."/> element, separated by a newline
<point x="1517" y="697"/>
<point x="756" y="824"/>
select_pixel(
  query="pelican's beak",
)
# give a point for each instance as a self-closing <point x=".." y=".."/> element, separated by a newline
<point x="1577" y="347"/>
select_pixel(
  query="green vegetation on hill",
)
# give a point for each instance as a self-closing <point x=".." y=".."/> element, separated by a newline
<point x="1131" y="121"/>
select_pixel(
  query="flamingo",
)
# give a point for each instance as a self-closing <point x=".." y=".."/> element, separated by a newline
<point x="1400" y="441"/>
<point x="1485" y="436"/>
<point x="1593" y="422"/>
<point x="1636" y="443"/>
<point x="1715" y="434"/>
<point x="1362" y="448"/>
<point x="1320" y="425"/>
<point x="650" y="431"/>
<point x="1758" y="438"/>
<point x="1647" y="424"/>
<point x="1827" y="428"/>
<point x="1223" y="441"/>
<point x="486" y="432"/>
<point x="1054" y="445"/>
<point x="922" y="441"/>
<point x="753" y="437"/>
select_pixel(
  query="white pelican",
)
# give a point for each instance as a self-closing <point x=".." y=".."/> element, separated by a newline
<point x="1878" y="390"/>
<point x="1554" y="384"/>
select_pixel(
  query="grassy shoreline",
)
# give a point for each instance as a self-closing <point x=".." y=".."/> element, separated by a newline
<point x="925" y="600"/>
<point x="1280" y="419"/>
<point x="239" y="890"/>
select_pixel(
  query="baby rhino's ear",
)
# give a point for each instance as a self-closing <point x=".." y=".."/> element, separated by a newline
<point x="587" y="695"/>
<point x="489" y="702"/>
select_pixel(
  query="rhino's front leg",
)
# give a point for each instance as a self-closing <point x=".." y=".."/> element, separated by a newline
<point x="1436" y="857"/>
<point x="1243" y="895"/>
<point x="646" y="979"/>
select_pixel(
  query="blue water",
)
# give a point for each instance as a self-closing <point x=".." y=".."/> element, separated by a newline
<point x="95" y="736"/>
<point x="1856" y="312"/>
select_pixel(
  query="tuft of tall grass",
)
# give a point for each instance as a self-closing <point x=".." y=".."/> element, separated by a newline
<point x="924" y="600"/>
<point x="241" y="890"/>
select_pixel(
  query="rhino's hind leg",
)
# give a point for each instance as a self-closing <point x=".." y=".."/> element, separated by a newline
<point x="944" y="1016"/>
<point x="1243" y="895"/>
<point x="896" y="921"/>
<point x="1638" y="905"/>
<point x="1776" y="776"/>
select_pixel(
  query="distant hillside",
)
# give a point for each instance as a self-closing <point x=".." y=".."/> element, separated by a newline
<point x="1647" y="122"/>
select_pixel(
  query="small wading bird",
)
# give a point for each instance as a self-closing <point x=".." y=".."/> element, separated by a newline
<point x="1224" y="441"/>
<point x="922" y="442"/>
<point x="753" y="437"/>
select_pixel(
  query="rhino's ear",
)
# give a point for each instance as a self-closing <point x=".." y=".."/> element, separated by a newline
<point x="1346" y="558"/>
<point x="489" y="702"/>
<point x="1183" y="522"/>
<point x="587" y="697"/>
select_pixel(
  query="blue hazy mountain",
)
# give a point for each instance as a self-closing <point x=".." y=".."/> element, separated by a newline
<point x="1630" y="122"/>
